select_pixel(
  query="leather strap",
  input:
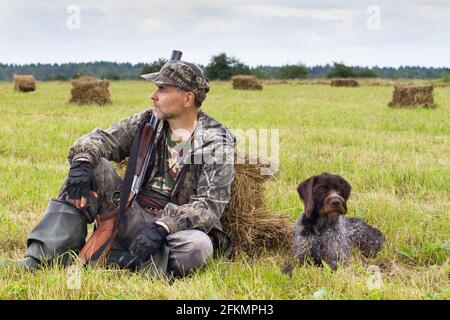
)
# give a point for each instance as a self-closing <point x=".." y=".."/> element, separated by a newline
<point x="101" y="242"/>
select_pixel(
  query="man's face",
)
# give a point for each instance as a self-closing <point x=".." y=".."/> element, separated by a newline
<point x="168" y="101"/>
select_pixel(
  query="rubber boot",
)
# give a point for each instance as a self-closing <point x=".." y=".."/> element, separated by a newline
<point x="63" y="228"/>
<point x="28" y="263"/>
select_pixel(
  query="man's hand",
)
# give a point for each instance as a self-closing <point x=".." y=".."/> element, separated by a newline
<point x="80" y="182"/>
<point x="148" y="241"/>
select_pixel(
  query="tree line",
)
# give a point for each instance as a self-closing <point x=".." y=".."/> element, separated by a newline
<point x="220" y="67"/>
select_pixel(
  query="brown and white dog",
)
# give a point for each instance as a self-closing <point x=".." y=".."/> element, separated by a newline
<point x="323" y="232"/>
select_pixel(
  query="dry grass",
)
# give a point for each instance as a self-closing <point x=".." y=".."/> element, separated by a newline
<point x="413" y="96"/>
<point x="88" y="90"/>
<point x="24" y="83"/>
<point x="397" y="162"/>
<point x="252" y="227"/>
<point x="344" y="83"/>
<point x="242" y="82"/>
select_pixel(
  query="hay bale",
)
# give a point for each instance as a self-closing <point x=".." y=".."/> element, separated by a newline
<point x="24" y="83"/>
<point x="88" y="90"/>
<point x="412" y="96"/>
<point x="252" y="228"/>
<point x="344" y="83"/>
<point x="242" y="82"/>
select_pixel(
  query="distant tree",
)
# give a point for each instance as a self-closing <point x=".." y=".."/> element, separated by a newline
<point x="58" y="77"/>
<point x="340" y="70"/>
<point x="109" y="75"/>
<point x="78" y="75"/>
<point x="155" y="66"/>
<point x="365" y="73"/>
<point x="265" y="72"/>
<point x="238" y="67"/>
<point x="222" y="67"/>
<point x="219" y="68"/>
<point x="258" y="72"/>
<point x="446" y="78"/>
<point x="293" y="71"/>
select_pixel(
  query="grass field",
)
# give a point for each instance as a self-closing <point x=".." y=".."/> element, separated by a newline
<point x="397" y="160"/>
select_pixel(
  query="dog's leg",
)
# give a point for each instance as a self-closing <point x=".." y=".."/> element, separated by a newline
<point x="301" y="249"/>
<point x="330" y="257"/>
<point x="365" y="237"/>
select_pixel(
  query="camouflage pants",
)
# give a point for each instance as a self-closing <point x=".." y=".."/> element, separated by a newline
<point x="189" y="249"/>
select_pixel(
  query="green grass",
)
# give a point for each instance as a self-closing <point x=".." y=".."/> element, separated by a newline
<point x="397" y="160"/>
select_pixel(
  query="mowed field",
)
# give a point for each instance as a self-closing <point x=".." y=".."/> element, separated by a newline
<point x="397" y="161"/>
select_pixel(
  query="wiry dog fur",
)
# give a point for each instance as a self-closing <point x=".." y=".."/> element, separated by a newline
<point x="322" y="232"/>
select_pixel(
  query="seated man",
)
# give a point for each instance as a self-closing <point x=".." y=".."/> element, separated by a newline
<point x="172" y="197"/>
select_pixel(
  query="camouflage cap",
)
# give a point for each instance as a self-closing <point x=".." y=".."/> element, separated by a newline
<point x="182" y="74"/>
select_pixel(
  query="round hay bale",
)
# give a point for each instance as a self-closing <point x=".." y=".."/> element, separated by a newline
<point x="412" y="96"/>
<point x="344" y="83"/>
<point x="89" y="90"/>
<point x="24" y="83"/>
<point x="242" y="82"/>
<point x="252" y="229"/>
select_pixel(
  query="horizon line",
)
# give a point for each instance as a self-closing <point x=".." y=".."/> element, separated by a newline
<point x="251" y="66"/>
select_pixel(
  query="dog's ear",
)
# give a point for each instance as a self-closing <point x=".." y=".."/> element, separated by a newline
<point x="305" y="191"/>
<point x="346" y="188"/>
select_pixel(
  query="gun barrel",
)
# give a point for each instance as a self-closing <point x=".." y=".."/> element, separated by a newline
<point x="176" y="55"/>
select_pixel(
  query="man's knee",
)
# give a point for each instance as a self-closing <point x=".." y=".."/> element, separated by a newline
<point x="202" y="247"/>
<point x="189" y="249"/>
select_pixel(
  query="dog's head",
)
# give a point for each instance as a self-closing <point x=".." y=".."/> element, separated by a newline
<point x="324" y="196"/>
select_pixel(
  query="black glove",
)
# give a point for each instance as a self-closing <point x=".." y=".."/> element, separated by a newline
<point x="81" y="180"/>
<point x="148" y="241"/>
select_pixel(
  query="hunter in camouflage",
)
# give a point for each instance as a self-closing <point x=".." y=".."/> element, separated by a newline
<point x="175" y="212"/>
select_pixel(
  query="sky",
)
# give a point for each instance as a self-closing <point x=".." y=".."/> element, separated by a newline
<point x="264" y="32"/>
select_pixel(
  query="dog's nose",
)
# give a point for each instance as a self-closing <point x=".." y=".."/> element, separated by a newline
<point x="335" y="202"/>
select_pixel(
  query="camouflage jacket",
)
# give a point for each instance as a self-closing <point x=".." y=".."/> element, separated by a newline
<point x="202" y="187"/>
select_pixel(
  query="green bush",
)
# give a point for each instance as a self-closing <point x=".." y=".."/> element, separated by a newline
<point x="340" y="70"/>
<point x="110" y="76"/>
<point x="365" y="73"/>
<point x="293" y="72"/>
<point x="446" y="78"/>
<point x="155" y="66"/>
<point x="222" y="67"/>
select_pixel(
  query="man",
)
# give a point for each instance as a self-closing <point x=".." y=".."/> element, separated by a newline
<point x="172" y="197"/>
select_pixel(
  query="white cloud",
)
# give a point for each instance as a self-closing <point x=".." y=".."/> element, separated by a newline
<point x="343" y="17"/>
<point x="156" y="7"/>
<point x="153" y="25"/>
<point x="218" y="25"/>
<point x="256" y="31"/>
<point x="430" y="12"/>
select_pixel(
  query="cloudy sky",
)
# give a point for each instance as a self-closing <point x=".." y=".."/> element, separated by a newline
<point x="359" y="32"/>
